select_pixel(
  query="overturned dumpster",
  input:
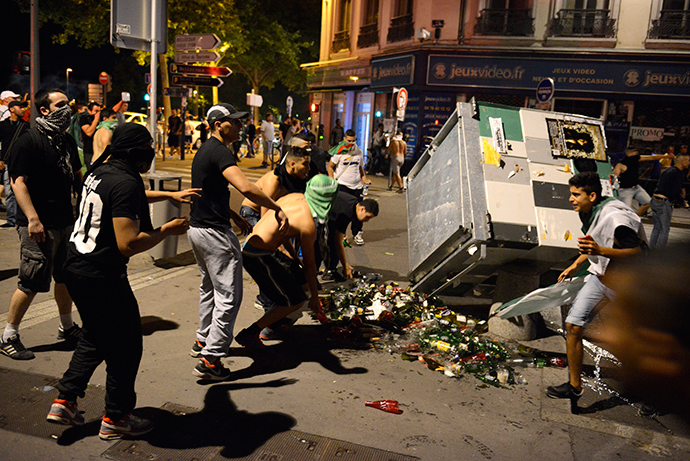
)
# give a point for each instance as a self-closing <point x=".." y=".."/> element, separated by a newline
<point x="492" y="189"/>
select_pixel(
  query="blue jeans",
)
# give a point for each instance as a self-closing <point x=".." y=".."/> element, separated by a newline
<point x="662" y="210"/>
<point x="10" y="199"/>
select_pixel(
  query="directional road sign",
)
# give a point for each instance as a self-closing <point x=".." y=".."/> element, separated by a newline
<point x="204" y="56"/>
<point x="177" y="92"/>
<point x="200" y="70"/>
<point x="196" y="42"/>
<point x="177" y="79"/>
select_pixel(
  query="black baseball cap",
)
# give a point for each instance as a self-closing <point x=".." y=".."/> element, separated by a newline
<point x="17" y="103"/>
<point x="223" y="111"/>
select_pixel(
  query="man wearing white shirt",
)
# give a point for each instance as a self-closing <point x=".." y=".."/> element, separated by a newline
<point x="269" y="135"/>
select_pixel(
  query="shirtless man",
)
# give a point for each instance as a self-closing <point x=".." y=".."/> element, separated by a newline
<point x="290" y="176"/>
<point x="396" y="150"/>
<point x="104" y="132"/>
<point x="279" y="275"/>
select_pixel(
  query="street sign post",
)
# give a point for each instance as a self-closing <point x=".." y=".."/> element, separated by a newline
<point x="288" y="103"/>
<point x="196" y="42"/>
<point x="545" y="90"/>
<point x="401" y="101"/>
<point x="177" y="79"/>
<point x="204" y="56"/>
<point x="177" y="92"/>
<point x="200" y="70"/>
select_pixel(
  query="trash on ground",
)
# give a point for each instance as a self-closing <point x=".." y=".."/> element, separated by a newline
<point x="421" y="328"/>
<point x="391" y="406"/>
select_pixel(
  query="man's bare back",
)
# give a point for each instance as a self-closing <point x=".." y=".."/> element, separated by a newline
<point x="266" y="236"/>
<point x="398" y="148"/>
<point x="270" y="186"/>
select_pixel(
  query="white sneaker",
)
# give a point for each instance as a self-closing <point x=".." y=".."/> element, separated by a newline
<point x="359" y="238"/>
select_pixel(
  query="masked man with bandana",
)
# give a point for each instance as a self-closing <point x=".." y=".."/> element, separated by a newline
<point x="113" y="225"/>
<point x="44" y="171"/>
<point x="271" y="260"/>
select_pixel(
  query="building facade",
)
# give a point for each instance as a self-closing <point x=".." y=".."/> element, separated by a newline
<point x="626" y="62"/>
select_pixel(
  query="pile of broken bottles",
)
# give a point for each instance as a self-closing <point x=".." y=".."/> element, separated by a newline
<point x="421" y="328"/>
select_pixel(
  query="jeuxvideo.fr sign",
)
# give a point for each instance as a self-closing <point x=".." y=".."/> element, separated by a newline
<point x="591" y="76"/>
<point x="200" y="70"/>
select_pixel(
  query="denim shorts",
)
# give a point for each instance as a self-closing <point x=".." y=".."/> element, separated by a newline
<point x="591" y="297"/>
<point x="637" y="193"/>
<point x="40" y="261"/>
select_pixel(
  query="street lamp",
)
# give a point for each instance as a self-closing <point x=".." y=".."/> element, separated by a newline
<point x="67" y="80"/>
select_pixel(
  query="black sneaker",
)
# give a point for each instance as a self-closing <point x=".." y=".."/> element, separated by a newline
<point x="648" y="411"/>
<point x="250" y="340"/>
<point x="128" y="427"/>
<point x="196" y="349"/>
<point x="328" y="276"/>
<point x="211" y="371"/>
<point x="14" y="349"/>
<point x="73" y="333"/>
<point x="564" y="391"/>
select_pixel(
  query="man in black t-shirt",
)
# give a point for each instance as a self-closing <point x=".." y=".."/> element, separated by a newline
<point x="214" y="243"/>
<point x="113" y="225"/>
<point x="346" y="210"/>
<point x="10" y="130"/>
<point x="45" y="169"/>
<point x="668" y="191"/>
<point x="628" y="172"/>
<point x="89" y="123"/>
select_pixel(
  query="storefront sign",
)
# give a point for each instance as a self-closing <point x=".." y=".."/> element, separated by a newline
<point x="356" y="73"/>
<point x="646" y="133"/>
<point x="395" y="71"/>
<point x="593" y="76"/>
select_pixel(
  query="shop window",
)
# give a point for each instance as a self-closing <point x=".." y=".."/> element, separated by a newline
<point x="583" y="18"/>
<point x="369" y="32"/>
<point x="505" y="18"/>
<point x="402" y="24"/>
<point x="672" y="20"/>
<point x="341" y="38"/>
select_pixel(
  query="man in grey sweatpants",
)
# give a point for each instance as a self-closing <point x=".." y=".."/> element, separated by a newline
<point x="214" y="243"/>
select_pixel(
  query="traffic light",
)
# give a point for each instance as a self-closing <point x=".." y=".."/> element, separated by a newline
<point x="22" y="63"/>
<point x="315" y="107"/>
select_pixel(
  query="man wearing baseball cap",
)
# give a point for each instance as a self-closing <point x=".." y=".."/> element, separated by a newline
<point x="7" y="97"/>
<point x="214" y="243"/>
<point x="10" y="130"/>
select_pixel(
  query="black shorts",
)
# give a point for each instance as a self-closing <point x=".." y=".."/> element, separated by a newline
<point x="280" y="277"/>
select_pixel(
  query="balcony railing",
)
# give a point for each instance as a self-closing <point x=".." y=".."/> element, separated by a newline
<point x="341" y="41"/>
<point x="368" y="35"/>
<point x="402" y="28"/>
<point x="672" y="24"/>
<point x="583" y="23"/>
<point x="505" y="22"/>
